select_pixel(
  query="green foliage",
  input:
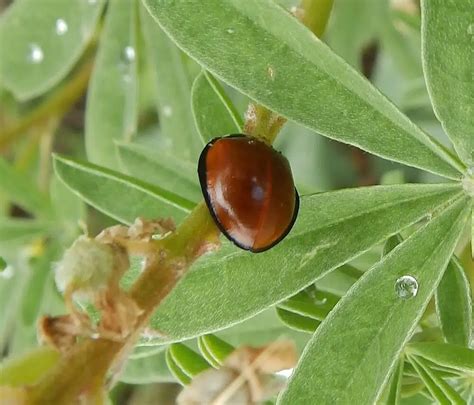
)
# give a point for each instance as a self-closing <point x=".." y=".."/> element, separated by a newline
<point x="111" y="102"/>
<point x="454" y="305"/>
<point x="448" y="32"/>
<point x="256" y="30"/>
<point x="41" y="41"/>
<point x="169" y="76"/>
<point x="384" y="319"/>
<point x="327" y="234"/>
<point x="213" y="111"/>
<point x="119" y="196"/>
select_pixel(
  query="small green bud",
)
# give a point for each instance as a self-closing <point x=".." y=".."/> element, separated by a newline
<point x="85" y="267"/>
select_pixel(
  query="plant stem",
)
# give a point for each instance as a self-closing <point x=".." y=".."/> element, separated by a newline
<point x="82" y="371"/>
<point x="263" y="123"/>
<point x="316" y="14"/>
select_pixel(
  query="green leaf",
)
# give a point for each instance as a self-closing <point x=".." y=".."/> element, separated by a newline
<point x="54" y="33"/>
<point x="261" y="330"/>
<point x="444" y="354"/>
<point x="214" y="113"/>
<point x="297" y="322"/>
<point x="391" y="244"/>
<point x="447" y="33"/>
<point x="433" y="378"/>
<point x="179" y="374"/>
<point x="121" y="197"/>
<point x="23" y="191"/>
<point x="454" y="305"/>
<point x="163" y="170"/>
<point x="29" y="368"/>
<point x="112" y="100"/>
<point x="332" y="229"/>
<point x="294" y="74"/>
<point x="313" y="307"/>
<point x="41" y="272"/>
<point x="348" y="36"/>
<point x="394" y="391"/>
<point x="206" y="354"/>
<point x="432" y="385"/>
<point x="372" y="322"/>
<point x="19" y="232"/>
<point x="147" y="370"/>
<point x="188" y="360"/>
<point x="173" y="83"/>
<point x="215" y="350"/>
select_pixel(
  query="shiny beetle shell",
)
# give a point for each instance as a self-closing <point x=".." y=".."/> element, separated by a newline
<point x="248" y="187"/>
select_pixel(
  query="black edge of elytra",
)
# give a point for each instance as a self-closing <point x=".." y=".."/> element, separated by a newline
<point x="203" y="182"/>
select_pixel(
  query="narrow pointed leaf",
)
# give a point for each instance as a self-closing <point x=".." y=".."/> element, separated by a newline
<point x="305" y="305"/>
<point x="20" y="189"/>
<point x="188" y="360"/>
<point x="179" y="374"/>
<point x="296" y="75"/>
<point x="213" y="111"/>
<point x="331" y="229"/>
<point x="173" y="83"/>
<point x="454" y="305"/>
<point x="448" y="355"/>
<point x="451" y="394"/>
<point x="298" y="322"/>
<point x="216" y="347"/>
<point x="372" y="322"/>
<point x="163" y="170"/>
<point x="40" y="41"/>
<point x="394" y="391"/>
<point x="112" y="99"/>
<point x="207" y="354"/>
<point x="435" y="390"/>
<point x="447" y="38"/>
<point x="121" y="197"/>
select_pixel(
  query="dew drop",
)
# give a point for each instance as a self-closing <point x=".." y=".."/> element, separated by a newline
<point x="61" y="26"/>
<point x="36" y="54"/>
<point x="167" y="111"/>
<point x="230" y="30"/>
<point x="406" y="287"/>
<point x="129" y="54"/>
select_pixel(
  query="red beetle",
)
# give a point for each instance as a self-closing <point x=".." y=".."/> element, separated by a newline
<point x="249" y="190"/>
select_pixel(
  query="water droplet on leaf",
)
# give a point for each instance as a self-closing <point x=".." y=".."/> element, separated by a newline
<point x="129" y="54"/>
<point x="406" y="287"/>
<point x="230" y="30"/>
<point x="61" y="26"/>
<point x="36" y="54"/>
<point x="470" y="29"/>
